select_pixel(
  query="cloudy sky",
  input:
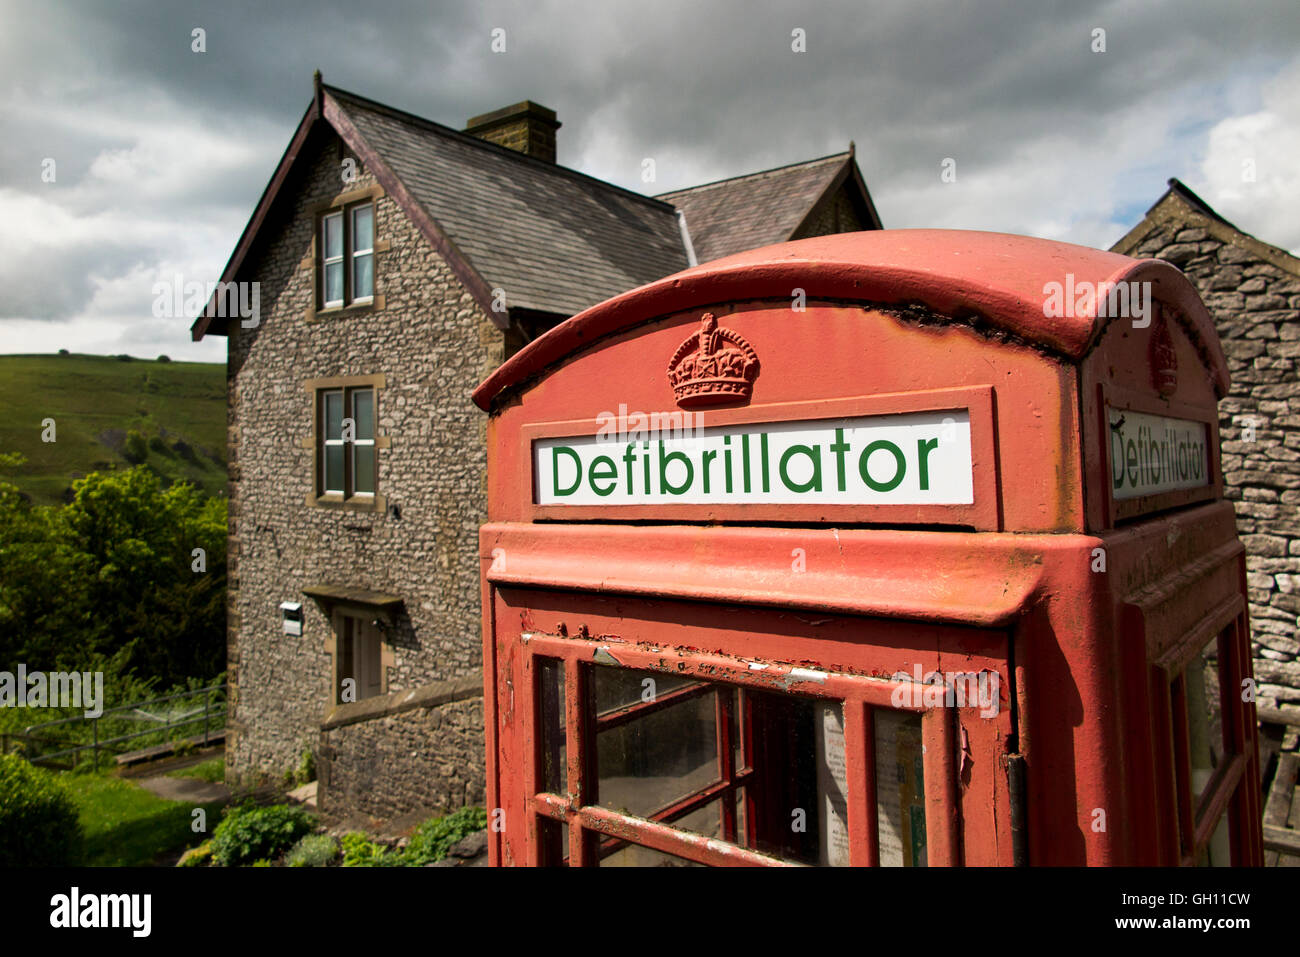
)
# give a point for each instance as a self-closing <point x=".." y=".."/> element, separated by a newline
<point x="160" y="152"/>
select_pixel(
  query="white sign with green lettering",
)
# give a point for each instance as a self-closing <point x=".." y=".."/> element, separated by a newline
<point x="1154" y="453"/>
<point x="921" y="458"/>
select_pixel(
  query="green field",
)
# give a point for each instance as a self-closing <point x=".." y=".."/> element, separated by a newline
<point x="178" y="407"/>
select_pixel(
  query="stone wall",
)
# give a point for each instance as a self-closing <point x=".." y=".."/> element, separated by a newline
<point x="433" y="344"/>
<point x="1255" y="304"/>
<point x="424" y="745"/>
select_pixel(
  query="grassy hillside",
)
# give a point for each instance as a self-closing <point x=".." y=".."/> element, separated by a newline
<point x="179" y="408"/>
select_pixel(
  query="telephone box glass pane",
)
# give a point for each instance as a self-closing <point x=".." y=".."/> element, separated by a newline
<point x="553" y="842"/>
<point x="634" y="855"/>
<point x="900" y="788"/>
<point x="553" y="773"/>
<point x="617" y="688"/>
<point x="1217" y="852"/>
<point x="779" y="786"/>
<point x="656" y="743"/>
<point x="1204" y="723"/>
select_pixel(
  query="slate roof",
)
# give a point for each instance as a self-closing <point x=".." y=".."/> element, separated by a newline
<point x="554" y="239"/>
<point x="746" y="212"/>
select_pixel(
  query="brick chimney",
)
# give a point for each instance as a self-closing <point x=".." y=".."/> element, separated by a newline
<point x="527" y="127"/>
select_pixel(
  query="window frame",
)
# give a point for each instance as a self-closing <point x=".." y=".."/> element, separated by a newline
<point x="318" y="442"/>
<point x="326" y="260"/>
<point x="353" y="254"/>
<point x="1222" y="799"/>
<point x="592" y="827"/>
<point x="345" y="205"/>
<point x="346" y="216"/>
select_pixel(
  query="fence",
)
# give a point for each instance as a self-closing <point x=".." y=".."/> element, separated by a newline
<point x="51" y="742"/>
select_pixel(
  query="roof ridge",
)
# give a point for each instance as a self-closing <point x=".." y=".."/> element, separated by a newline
<point x="471" y="140"/>
<point x="1177" y="186"/>
<point x="761" y="172"/>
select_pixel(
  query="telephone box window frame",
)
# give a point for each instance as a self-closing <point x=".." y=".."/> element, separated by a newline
<point x="857" y="694"/>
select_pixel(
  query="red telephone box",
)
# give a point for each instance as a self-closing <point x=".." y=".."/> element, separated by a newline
<point x="888" y="548"/>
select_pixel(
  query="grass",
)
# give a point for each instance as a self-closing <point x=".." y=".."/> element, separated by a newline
<point x="94" y="401"/>
<point x="213" y="770"/>
<point x="125" y="825"/>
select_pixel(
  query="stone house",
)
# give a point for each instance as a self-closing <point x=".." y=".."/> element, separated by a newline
<point x="398" y="262"/>
<point x="1253" y="291"/>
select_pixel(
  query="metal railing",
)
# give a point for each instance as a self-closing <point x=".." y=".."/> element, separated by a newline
<point x="59" y="734"/>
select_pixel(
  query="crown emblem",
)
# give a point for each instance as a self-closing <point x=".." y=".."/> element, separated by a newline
<point x="714" y="365"/>
<point x="1163" y="357"/>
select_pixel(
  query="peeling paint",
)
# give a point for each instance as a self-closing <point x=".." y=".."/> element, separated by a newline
<point x="602" y="656"/>
<point x="808" y="674"/>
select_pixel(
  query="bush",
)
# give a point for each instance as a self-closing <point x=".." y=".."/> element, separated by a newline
<point x="360" y="851"/>
<point x="38" y="821"/>
<point x="123" y="358"/>
<point x="63" y="352"/>
<point x="248" y="833"/>
<point x="314" y="850"/>
<point x="164" y="358"/>
<point x="436" y="836"/>
<point x="197" y="856"/>
<point x="136" y="449"/>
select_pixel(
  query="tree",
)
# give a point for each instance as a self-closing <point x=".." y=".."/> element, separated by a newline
<point x="111" y="576"/>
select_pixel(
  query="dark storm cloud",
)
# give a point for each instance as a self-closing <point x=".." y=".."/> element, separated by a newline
<point x="163" y="152"/>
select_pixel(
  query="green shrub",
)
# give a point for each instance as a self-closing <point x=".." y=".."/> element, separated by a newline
<point x="307" y="767"/>
<point x="436" y="836"/>
<point x="197" y="856"/>
<point x="360" y="851"/>
<point x="38" y="821"/>
<point x="136" y="448"/>
<point x="314" y="850"/>
<point x="247" y="833"/>
<point x="164" y="358"/>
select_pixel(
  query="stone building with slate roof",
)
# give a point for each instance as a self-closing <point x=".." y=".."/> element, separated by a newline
<point x="1253" y="291"/>
<point x="399" y="261"/>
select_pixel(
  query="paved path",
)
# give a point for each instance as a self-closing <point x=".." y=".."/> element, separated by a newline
<point x="190" y="790"/>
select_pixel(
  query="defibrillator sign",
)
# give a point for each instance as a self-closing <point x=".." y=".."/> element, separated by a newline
<point x="908" y="459"/>
<point x="1154" y="453"/>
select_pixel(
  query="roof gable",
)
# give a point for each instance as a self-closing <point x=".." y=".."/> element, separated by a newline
<point x="1182" y="206"/>
<point x="759" y="209"/>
